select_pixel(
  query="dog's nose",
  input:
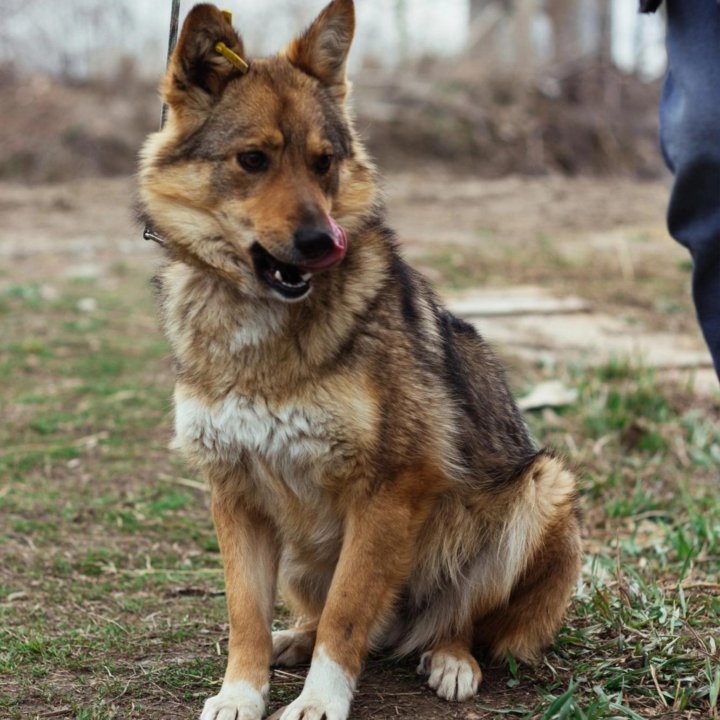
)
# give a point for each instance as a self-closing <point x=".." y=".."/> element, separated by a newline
<point x="313" y="243"/>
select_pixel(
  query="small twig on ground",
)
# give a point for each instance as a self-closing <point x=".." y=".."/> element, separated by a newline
<point x="284" y="673"/>
<point x="386" y="693"/>
<point x="56" y="713"/>
<point x="653" y="674"/>
<point x="117" y="697"/>
<point x="107" y="620"/>
<point x="703" y="647"/>
<point x="700" y="584"/>
<point x="167" y="571"/>
<point x="186" y="482"/>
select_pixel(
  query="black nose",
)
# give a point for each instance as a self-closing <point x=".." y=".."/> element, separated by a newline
<point x="313" y="243"/>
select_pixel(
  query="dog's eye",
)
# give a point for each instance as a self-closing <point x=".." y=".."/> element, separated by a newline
<point x="254" y="161"/>
<point x="323" y="163"/>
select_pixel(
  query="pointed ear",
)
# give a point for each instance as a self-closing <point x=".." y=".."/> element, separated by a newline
<point x="322" y="50"/>
<point x="197" y="74"/>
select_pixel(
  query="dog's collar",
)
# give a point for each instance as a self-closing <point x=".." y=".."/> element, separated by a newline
<point x="150" y="234"/>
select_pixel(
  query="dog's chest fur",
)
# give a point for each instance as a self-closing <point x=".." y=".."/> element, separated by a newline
<point x="288" y="439"/>
<point x="290" y="457"/>
<point x="289" y="445"/>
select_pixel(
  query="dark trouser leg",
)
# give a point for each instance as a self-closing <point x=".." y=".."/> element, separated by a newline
<point x="690" y="137"/>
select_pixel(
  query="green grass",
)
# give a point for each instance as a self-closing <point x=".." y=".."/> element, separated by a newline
<point x="642" y="640"/>
<point x="110" y="580"/>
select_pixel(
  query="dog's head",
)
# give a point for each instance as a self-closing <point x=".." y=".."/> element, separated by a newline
<point x="258" y="175"/>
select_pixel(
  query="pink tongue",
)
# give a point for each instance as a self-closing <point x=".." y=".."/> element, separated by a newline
<point x="336" y="254"/>
<point x="338" y="234"/>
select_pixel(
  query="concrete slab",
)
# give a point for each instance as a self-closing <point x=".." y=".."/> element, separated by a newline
<point x="591" y="339"/>
<point x="529" y="323"/>
<point x="519" y="300"/>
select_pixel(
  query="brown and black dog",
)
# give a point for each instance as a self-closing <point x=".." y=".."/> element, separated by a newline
<point x="360" y="442"/>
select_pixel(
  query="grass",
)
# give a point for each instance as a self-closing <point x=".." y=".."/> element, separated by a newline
<point x="642" y="639"/>
<point x="111" y="599"/>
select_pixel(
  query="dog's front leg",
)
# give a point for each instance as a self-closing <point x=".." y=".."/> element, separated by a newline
<point x="373" y="564"/>
<point x="250" y="553"/>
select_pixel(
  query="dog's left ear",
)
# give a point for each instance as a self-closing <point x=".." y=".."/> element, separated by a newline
<point x="322" y="50"/>
<point x="197" y="73"/>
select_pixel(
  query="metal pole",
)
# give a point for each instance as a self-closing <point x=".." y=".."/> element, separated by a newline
<point x="148" y="233"/>
<point x="172" y="40"/>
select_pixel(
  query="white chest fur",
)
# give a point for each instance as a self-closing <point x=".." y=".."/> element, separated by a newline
<point x="291" y="454"/>
<point x="292" y="439"/>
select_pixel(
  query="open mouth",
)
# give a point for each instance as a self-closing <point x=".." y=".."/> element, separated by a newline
<point x="293" y="282"/>
<point x="289" y="281"/>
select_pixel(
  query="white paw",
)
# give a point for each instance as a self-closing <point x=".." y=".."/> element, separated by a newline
<point x="292" y="647"/>
<point x="235" y="701"/>
<point x="310" y="706"/>
<point x="327" y="693"/>
<point x="452" y="676"/>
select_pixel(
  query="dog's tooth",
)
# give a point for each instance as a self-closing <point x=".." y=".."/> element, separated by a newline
<point x="278" y="275"/>
<point x="306" y="276"/>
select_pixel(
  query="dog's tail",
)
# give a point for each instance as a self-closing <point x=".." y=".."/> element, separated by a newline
<point x="542" y="549"/>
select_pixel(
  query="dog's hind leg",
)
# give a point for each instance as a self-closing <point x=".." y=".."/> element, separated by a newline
<point x="294" y="646"/>
<point x="453" y="673"/>
<point x="534" y="611"/>
<point x="304" y="588"/>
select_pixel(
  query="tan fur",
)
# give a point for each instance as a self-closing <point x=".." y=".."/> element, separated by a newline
<point x="322" y="49"/>
<point x="361" y="444"/>
<point x="250" y="587"/>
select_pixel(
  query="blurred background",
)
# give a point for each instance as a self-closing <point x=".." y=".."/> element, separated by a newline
<point x="487" y="86"/>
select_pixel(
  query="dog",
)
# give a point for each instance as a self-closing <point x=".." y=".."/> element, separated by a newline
<point x="360" y="443"/>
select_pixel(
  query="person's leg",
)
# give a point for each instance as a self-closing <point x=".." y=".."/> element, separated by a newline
<point x="690" y="137"/>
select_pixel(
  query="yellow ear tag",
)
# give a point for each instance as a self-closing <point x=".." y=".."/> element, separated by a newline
<point x="227" y="53"/>
<point x="233" y="57"/>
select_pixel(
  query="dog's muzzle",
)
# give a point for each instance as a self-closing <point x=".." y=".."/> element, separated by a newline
<point x="316" y="249"/>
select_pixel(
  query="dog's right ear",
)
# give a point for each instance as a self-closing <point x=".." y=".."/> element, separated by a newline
<point x="322" y="50"/>
<point x="197" y="73"/>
